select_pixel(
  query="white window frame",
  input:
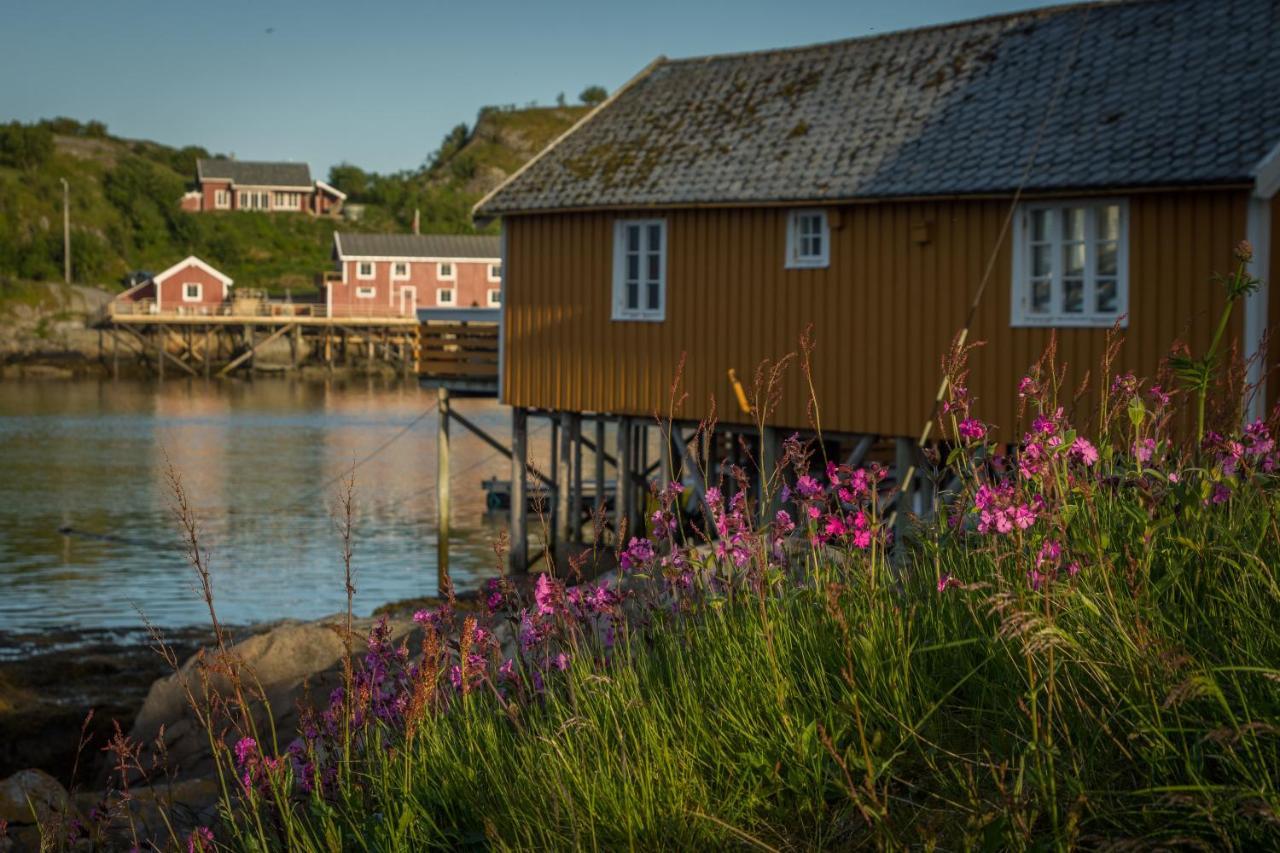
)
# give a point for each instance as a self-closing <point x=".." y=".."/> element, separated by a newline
<point x="451" y="302"/>
<point x="187" y="297"/>
<point x="222" y="199"/>
<point x="395" y="276"/>
<point x="1021" y="315"/>
<point x="453" y="271"/>
<point x="489" y="274"/>
<point x="495" y="297"/>
<point x="366" y="292"/>
<point x="796" y="258"/>
<point x="286" y="201"/>
<point x="620" y="253"/>
<point x="373" y="270"/>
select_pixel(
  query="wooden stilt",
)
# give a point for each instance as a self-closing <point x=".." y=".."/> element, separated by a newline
<point x="598" y="508"/>
<point x="162" y="333"/>
<point x="624" y="504"/>
<point x="575" y="492"/>
<point x="564" y="482"/>
<point x="442" y="490"/>
<point x="209" y="338"/>
<point x="904" y="453"/>
<point x="115" y="354"/>
<point x="518" y="556"/>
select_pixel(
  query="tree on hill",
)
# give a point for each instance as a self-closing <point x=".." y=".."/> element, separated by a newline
<point x="351" y="180"/>
<point x="25" y="146"/>
<point x="593" y="95"/>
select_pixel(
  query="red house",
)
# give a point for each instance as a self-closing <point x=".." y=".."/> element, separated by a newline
<point x="188" y="287"/>
<point x="395" y="274"/>
<point x="223" y="184"/>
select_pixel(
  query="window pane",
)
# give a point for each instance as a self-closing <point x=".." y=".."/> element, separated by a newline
<point x="633" y="238"/>
<point x="633" y="295"/>
<point x="1073" y="223"/>
<point x="655" y="238"/>
<point x="1041" y="260"/>
<point x="633" y="266"/>
<point x="1073" y="295"/>
<point x="653" y="296"/>
<point x="655" y="265"/>
<point x="815" y="250"/>
<point x="1106" y="296"/>
<point x="1039" y="225"/>
<point x="1109" y="222"/>
<point x="1107" y="258"/>
<point x="1073" y="260"/>
<point x="1040" y="291"/>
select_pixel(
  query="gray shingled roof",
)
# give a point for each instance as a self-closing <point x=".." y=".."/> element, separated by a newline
<point x="351" y="245"/>
<point x="255" y="174"/>
<point x="1156" y="92"/>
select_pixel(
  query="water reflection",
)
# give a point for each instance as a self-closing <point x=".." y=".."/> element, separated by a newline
<point x="260" y="461"/>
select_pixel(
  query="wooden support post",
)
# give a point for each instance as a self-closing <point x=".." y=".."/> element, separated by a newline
<point x="295" y="343"/>
<point x="442" y="490"/>
<point x="208" y="351"/>
<point x="599" y="458"/>
<point x="564" y="482"/>
<point x="575" y="493"/>
<point x="328" y="348"/>
<point x="162" y="334"/>
<point x="640" y="478"/>
<point x="904" y="461"/>
<point x="518" y="556"/>
<point x="245" y="356"/>
<point x="624" y="502"/>
<point x="369" y="345"/>
<point x="115" y="354"/>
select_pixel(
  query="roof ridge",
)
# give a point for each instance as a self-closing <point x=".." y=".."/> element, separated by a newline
<point x="1032" y="12"/>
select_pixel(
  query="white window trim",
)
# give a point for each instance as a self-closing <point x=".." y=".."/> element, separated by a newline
<point x="366" y="292"/>
<point x="489" y="272"/>
<point x="495" y="297"/>
<point x="373" y="270"/>
<point x="395" y="276"/>
<point x="222" y="199"/>
<point x="199" y="297"/>
<point x="1020" y="291"/>
<point x="620" y="311"/>
<point x="794" y="259"/>
<point x="453" y="297"/>
<point x="453" y="271"/>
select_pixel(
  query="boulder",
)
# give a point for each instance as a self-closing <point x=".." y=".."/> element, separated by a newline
<point x="33" y="796"/>
<point x="295" y="662"/>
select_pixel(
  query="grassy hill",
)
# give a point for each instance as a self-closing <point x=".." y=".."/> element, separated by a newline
<point x="124" y="202"/>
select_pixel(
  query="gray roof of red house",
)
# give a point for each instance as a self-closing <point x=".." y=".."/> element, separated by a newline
<point x="255" y="174"/>
<point x="459" y="246"/>
<point x="1129" y="93"/>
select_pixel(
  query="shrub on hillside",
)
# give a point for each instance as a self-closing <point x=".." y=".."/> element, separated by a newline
<point x="24" y="146"/>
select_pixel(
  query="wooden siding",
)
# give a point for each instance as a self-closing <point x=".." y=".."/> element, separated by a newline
<point x="883" y="313"/>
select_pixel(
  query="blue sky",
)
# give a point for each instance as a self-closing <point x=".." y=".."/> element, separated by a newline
<point x="376" y="83"/>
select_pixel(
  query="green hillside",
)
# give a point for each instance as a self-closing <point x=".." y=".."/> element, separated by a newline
<point x="124" y="202"/>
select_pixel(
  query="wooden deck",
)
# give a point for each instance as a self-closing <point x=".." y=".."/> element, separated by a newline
<point x="145" y="313"/>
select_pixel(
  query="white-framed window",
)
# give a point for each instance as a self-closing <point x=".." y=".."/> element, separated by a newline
<point x="366" y="292"/>
<point x="254" y="200"/>
<point x="640" y="269"/>
<point x="400" y="270"/>
<point x="1071" y="263"/>
<point x="222" y="199"/>
<point x="495" y="297"/>
<point x="445" y="296"/>
<point x="495" y="272"/>
<point x="445" y="271"/>
<point x="287" y="201"/>
<point x="364" y="269"/>
<point x="192" y="291"/>
<point x="808" y="239"/>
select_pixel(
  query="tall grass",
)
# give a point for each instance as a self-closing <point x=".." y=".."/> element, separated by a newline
<point x="1079" y="647"/>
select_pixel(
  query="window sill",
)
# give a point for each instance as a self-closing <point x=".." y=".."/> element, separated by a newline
<point x="808" y="264"/>
<point x="1067" y="322"/>
<point x="639" y="318"/>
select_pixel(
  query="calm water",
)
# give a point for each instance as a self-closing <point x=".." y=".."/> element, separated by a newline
<point x="258" y="459"/>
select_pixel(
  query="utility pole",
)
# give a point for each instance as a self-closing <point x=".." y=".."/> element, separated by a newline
<point x="66" y="230"/>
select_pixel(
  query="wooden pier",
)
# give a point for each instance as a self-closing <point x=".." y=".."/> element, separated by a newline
<point x="228" y="338"/>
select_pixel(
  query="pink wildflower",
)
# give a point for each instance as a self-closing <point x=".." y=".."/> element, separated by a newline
<point x="1083" y="450"/>
<point x="972" y="429"/>
<point x="947" y="581"/>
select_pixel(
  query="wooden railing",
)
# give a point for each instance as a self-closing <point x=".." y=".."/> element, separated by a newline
<point x="466" y="351"/>
<point x="243" y="308"/>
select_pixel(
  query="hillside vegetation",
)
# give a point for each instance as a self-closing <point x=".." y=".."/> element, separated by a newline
<point x="125" y="215"/>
